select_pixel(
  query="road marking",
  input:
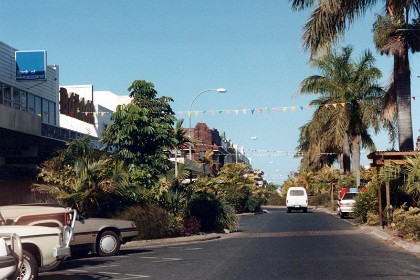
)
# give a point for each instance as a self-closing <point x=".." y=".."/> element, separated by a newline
<point x="167" y="260"/>
<point x="191" y="249"/>
<point x="148" y="257"/>
<point x="297" y="233"/>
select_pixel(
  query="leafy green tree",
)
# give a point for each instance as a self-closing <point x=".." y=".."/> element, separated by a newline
<point x="394" y="35"/>
<point x="336" y="126"/>
<point x="79" y="178"/>
<point x="142" y="133"/>
<point x="236" y="188"/>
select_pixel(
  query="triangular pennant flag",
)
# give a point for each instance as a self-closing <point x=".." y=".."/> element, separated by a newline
<point x="244" y="111"/>
<point x="414" y="98"/>
<point x="309" y="107"/>
<point x="260" y="110"/>
<point x="196" y="113"/>
<point x="103" y="113"/>
<point x="343" y="104"/>
<point x="189" y="114"/>
<point x="228" y="111"/>
<point x="335" y="105"/>
<point x="268" y="110"/>
<point x="181" y="113"/>
<point x="301" y="108"/>
<point x="220" y="111"/>
<point x="293" y="108"/>
<point x="284" y="109"/>
<point x="252" y="111"/>
<point x="276" y="109"/>
<point x="327" y="105"/>
<point x="236" y="111"/>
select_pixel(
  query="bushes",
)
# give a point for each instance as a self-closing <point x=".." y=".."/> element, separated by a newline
<point x="322" y="199"/>
<point x="407" y="222"/>
<point x="366" y="206"/>
<point x="213" y="214"/>
<point x="153" y="221"/>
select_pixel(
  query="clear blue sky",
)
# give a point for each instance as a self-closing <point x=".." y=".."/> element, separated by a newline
<point x="251" y="48"/>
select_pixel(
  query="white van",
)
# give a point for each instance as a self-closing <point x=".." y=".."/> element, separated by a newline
<point x="297" y="199"/>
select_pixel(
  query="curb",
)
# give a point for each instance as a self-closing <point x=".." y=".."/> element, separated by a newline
<point x="169" y="241"/>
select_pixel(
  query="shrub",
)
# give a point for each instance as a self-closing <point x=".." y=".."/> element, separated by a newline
<point x="252" y="204"/>
<point x="366" y="202"/>
<point x="213" y="214"/>
<point x="407" y="222"/>
<point x="276" y="200"/>
<point x="322" y="199"/>
<point x="191" y="226"/>
<point x="153" y="221"/>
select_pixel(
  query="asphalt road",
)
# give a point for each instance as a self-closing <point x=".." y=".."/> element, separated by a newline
<point x="275" y="245"/>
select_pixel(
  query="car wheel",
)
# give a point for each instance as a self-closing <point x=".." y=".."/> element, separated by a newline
<point x="341" y="215"/>
<point x="50" y="267"/>
<point x="289" y="210"/>
<point x="29" y="268"/>
<point x="108" y="244"/>
<point x="305" y="210"/>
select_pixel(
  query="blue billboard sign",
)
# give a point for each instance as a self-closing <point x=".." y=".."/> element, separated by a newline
<point x="31" y="65"/>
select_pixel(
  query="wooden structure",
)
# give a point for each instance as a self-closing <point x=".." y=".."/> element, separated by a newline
<point x="384" y="158"/>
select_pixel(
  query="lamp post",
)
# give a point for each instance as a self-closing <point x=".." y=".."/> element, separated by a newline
<point x="236" y="150"/>
<point x="220" y="90"/>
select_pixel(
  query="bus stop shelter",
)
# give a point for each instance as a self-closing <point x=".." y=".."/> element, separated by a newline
<point x="383" y="158"/>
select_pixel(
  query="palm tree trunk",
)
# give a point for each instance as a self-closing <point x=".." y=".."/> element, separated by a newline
<point x="346" y="154"/>
<point x="355" y="153"/>
<point x="403" y="92"/>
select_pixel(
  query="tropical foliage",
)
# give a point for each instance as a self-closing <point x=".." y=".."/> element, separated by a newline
<point x="90" y="183"/>
<point x="396" y="31"/>
<point x="337" y="133"/>
<point x="141" y="133"/>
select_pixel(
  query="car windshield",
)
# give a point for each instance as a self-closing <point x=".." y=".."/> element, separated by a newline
<point x="297" y="192"/>
<point x="350" y="196"/>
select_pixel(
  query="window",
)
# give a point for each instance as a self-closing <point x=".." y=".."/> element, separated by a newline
<point x="52" y="112"/>
<point x="1" y="93"/>
<point x="31" y="104"/>
<point x="23" y="101"/>
<point x="38" y="107"/>
<point x="7" y="94"/>
<point x="16" y="98"/>
<point x="45" y="112"/>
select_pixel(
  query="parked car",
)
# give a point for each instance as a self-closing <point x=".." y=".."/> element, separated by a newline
<point x="10" y="256"/>
<point x="42" y="249"/>
<point x="297" y="199"/>
<point x="345" y="205"/>
<point x="96" y="235"/>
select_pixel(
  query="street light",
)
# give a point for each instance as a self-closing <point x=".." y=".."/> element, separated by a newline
<point x="237" y="146"/>
<point x="220" y="90"/>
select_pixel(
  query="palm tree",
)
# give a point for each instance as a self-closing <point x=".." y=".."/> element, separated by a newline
<point x="342" y="85"/>
<point x="331" y="18"/>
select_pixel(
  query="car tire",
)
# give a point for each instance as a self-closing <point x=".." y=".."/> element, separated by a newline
<point x="289" y="210"/>
<point x="29" y="268"/>
<point x="305" y="210"/>
<point x="341" y="215"/>
<point x="108" y="244"/>
<point x="50" y="267"/>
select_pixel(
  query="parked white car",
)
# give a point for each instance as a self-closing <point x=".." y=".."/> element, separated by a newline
<point x="96" y="235"/>
<point x="10" y="256"/>
<point x="345" y="205"/>
<point x="42" y="247"/>
<point x="297" y="199"/>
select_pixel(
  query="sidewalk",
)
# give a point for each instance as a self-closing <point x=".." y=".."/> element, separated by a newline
<point x="385" y="234"/>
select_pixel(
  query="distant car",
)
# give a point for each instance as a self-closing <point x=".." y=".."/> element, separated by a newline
<point x="297" y="199"/>
<point x="345" y="205"/>
<point x="101" y="236"/>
